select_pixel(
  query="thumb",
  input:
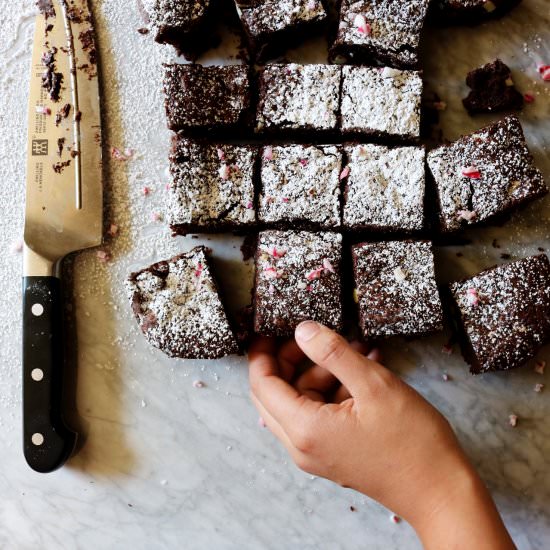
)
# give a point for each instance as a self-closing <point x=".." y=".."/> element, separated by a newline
<point x="331" y="351"/>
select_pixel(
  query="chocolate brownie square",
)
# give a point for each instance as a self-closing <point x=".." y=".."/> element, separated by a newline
<point x="273" y="26"/>
<point x="396" y="291"/>
<point x="484" y="176"/>
<point x="381" y="102"/>
<point x="187" y="25"/>
<point x="379" y="32"/>
<point x="213" y="187"/>
<point x="469" y="12"/>
<point x="492" y="89"/>
<point x="298" y="99"/>
<point x="384" y="188"/>
<point x="178" y="307"/>
<point x="300" y="186"/>
<point x="205" y="100"/>
<point x="503" y="314"/>
<point x="298" y="277"/>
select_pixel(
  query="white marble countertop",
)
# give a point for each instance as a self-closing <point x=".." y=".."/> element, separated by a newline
<point x="167" y="465"/>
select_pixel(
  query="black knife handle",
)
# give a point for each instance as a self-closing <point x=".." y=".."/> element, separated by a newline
<point x="47" y="442"/>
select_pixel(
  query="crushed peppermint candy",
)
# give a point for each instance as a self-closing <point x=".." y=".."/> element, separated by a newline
<point x="400" y="274"/>
<point x="43" y="110"/>
<point x="361" y="24"/>
<point x="146" y="191"/>
<point x="513" y="420"/>
<point x="544" y="71"/>
<point x="221" y="154"/>
<point x="327" y="266"/>
<point x="199" y="270"/>
<point x="466" y="215"/>
<point x="314" y="274"/>
<point x="395" y="519"/>
<point x="538" y="388"/>
<point x="156" y="216"/>
<point x="249" y="205"/>
<point x="113" y="230"/>
<point x="224" y="172"/>
<point x="472" y="296"/>
<point x="261" y="422"/>
<point x="539" y="367"/>
<point x="272" y="273"/>
<point x="103" y="256"/>
<point x="471" y="172"/>
<point x="303" y="162"/>
<point x="446" y="377"/>
<point x="198" y="384"/>
<point x="344" y="173"/>
<point x="277" y="253"/>
<point x="529" y="97"/>
<point x="285" y="199"/>
<point x="122" y="156"/>
<point x="268" y="153"/>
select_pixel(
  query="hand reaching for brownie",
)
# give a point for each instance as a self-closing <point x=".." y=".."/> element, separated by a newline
<point x="349" y="419"/>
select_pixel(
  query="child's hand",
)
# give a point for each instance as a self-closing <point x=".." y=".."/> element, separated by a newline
<point x="351" y="420"/>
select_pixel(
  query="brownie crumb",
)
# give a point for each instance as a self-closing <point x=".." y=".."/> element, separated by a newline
<point x="51" y="80"/>
<point x="143" y="30"/>
<point x="60" y="145"/>
<point x="495" y="244"/>
<point x="541" y="249"/>
<point x="46" y="8"/>
<point x="58" y="167"/>
<point x="352" y="509"/>
<point x="62" y="113"/>
<point x="505" y="256"/>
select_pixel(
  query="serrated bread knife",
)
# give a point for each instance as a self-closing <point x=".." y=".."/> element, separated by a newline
<point x="63" y="211"/>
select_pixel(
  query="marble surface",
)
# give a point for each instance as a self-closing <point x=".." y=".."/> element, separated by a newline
<point x="166" y="465"/>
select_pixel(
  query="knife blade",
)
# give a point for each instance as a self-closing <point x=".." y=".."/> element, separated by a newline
<point x="63" y="213"/>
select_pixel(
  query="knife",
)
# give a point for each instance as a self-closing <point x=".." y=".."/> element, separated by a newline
<point x="63" y="212"/>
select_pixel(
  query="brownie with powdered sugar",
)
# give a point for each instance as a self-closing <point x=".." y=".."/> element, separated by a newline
<point x="503" y="314"/>
<point x="469" y="12"/>
<point x="379" y="32"/>
<point x="298" y="99"/>
<point x="212" y="188"/>
<point x="273" y="26"/>
<point x="300" y="186"/>
<point x="298" y="278"/>
<point x="384" y="188"/>
<point x="179" y="310"/>
<point x="206" y="101"/>
<point x="382" y="103"/>
<point x="484" y="176"/>
<point x="395" y="289"/>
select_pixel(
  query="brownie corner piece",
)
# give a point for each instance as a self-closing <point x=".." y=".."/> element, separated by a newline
<point x="384" y="189"/>
<point x="212" y="188"/>
<point x="503" y="314"/>
<point x="200" y="100"/>
<point x="492" y="89"/>
<point x="179" y="310"/>
<point x="273" y="26"/>
<point x="298" y="278"/>
<point x="298" y="99"/>
<point x="300" y="186"/>
<point x="379" y="32"/>
<point x="484" y="176"/>
<point x="381" y="102"/>
<point x="395" y="289"/>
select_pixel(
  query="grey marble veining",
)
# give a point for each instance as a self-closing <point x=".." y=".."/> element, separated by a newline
<point x="167" y="465"/>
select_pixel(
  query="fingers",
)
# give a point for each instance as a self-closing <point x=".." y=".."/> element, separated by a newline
<point x="328" y="349"/>
<point x="342" y="393"/>
<point x="316" y="382"/>
<point x="289" y="356"/>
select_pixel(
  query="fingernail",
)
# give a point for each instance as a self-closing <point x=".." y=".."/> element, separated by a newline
<point x="307" y="330"/>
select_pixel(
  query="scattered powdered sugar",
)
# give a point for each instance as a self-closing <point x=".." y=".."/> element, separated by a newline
<point x="385" y="188"/>
<point x="308" y="177"/>
<point x="298" y="97"/>
<point x="375" y="102"/>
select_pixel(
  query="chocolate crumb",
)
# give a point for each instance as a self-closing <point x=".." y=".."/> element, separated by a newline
<point x="505" y="256"/>
<point x="352" y="509"/>
<point x="46" y="8"/>
<point x="62" y="113"/>
<point x="58" y="167"/>
<point x="51" y="80"/>
<point x="87" y="40"/>
<point x="60" y="145"/>
<point x="540" y="249"/>
<point x="495" y="244"/>
<point x="143" y="30"/>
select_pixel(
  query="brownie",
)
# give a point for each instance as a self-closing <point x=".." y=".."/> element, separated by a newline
<point x="503" y="314"/>
<point x="205" y="100"/>
<point x="298" y="277"/>
<point x="213" y="187"/>
<point x="381" y="102"/>
<point x="484" y="176"/>
<point x="379" y="32"/>
<point x="384" y="188"/>
<point x="298" y="99"/>
<point x="470" y="12"/>
<point x="273" y="26"/>
<point x="300" y="186"/>
<point x="186" y="24"/>
<point x="396" y="291"/>
<point x="492" y="89"/>
<point x="178" y="307"/>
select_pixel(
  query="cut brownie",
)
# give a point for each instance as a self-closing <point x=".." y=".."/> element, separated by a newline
<point x="384" y="189"/>
<point x="396" y="291"/>
<point x="379" y="32"/>
<point x="492" y="89"/>
<point x="298" y="277"/>
<point x="202" y="100"/>
<point x="184" y="24"/>
<point x="383" y="103"/>
<point x="504" y="314"/>
<point x="470" y="12"/>
<point x="300" y="186"/>
<point x="298" y="98"/>
<point x="179" y="310"/>
<point x="213" y="187"/>
<point x="484" y="175"/>
<point x="272" y="26"/>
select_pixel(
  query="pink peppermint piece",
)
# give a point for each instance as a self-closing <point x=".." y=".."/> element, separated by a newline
<point x="117" y="154"/>
<point x="541" y="67"/>
<point x="445" y="377"/>
<point x="146" y="191"/>
<point x="546" y="74"/>
<point x="168" y="186"/>
<point x="224" y="172"/>
<point x="538" y="388"/>
<point x="249" y="205"/>
<point x="303" y="162"/>
<point x="129" y="153"/>
<point x="221" y="154"/>
<point x="42" y="110"/>
<point x="113" y="230"/>
<point x="198" y="271"/>
<point x="309" y="288"/>
<point x="103" y="256"/>
<point x="540" y="366"/>
<point x="344" y="173"/>
<point x="268" y="153"/>
<point x="270" y="273"/>
<point x="271" y="289"/>
<point x="315" y="274"/>
<point x="447" y="349"/>
<point x="395" y="519"/>
<point x="278" y="253"/>
<point x="529" y="97"/>
<point x="471" y="172"/>
<point x="467" y="215"/>
<point x="361" y="24"/>
<point x="286" y="199"/>
<point x="198" y="384"/>
<point x="261" y="422"/>
<point x="513" y="420"/>
<point x="472" y="296"/>
<point x="156" y="217"/>
<point x="327" y="266"/>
